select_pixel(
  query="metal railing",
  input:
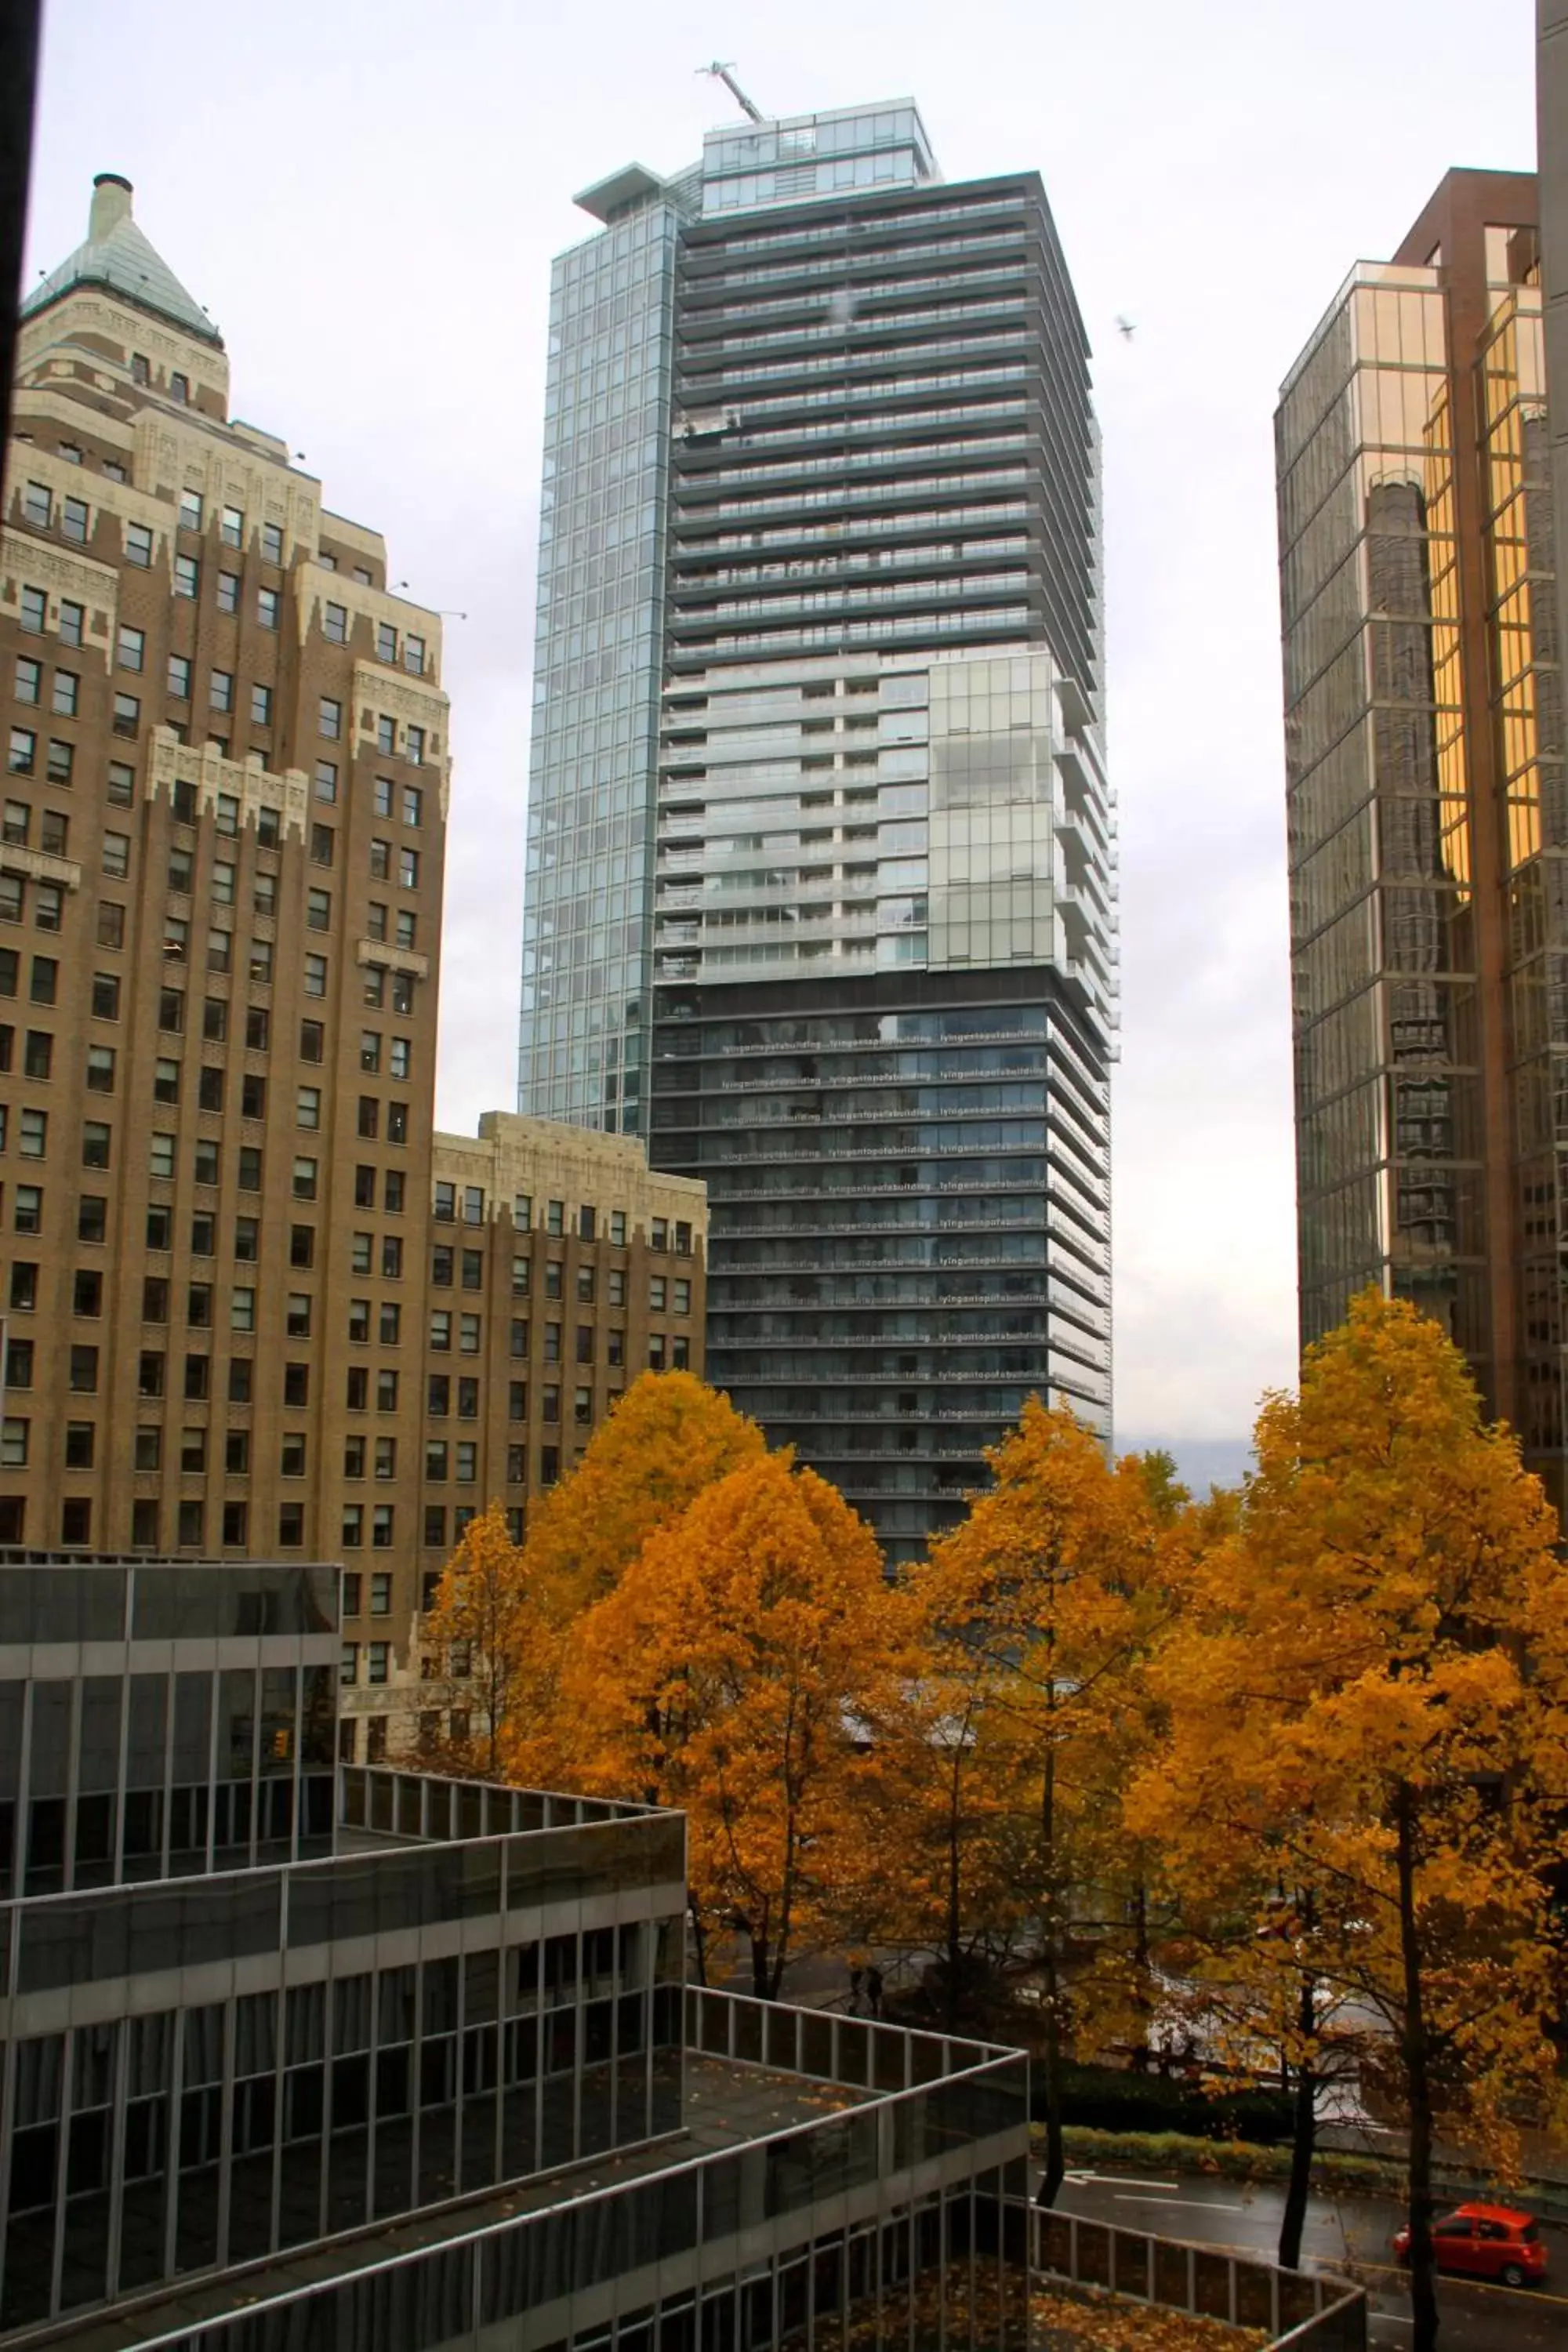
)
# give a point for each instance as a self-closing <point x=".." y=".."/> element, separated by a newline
<point x="925" y="2112"/>
<point x="1300" y="2309"/>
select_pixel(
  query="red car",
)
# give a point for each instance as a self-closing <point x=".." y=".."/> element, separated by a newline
<point x="1484" y="2242"/>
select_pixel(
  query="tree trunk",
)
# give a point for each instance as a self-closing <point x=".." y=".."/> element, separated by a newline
<point x="1303" y="2137"/>
<point x="954" y="1910"/>
<point x="1142" y="1970"/>
<point x="760" y="1985"/>
<point x="1417" y="2057"/>
<point x="699" y="1939"/>
<point x="1056" y="2159"/>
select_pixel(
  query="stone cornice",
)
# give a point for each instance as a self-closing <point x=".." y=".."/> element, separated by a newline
<point x="368" y="951"/>
<point x="170" y="761"/>
<point x="39" y="867"/>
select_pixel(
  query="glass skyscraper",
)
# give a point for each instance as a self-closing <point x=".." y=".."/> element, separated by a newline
<point x="1428" y="814"/>
<point x="820" y="894"/>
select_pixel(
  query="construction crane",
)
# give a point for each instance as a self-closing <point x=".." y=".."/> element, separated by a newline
<point x="725" y="74"/>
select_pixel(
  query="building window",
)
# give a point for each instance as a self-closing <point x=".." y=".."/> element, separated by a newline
<point x="335" y="623"/>
<point x="359" y="1322"/>
<point x="231" y="527"/>
<point x="271" y="542"/>
<point x="315" y="975"/>
<point x="261" y="705"/>
<point x="127" y="718"/>
<point x="386" y="734"/>
<point x="326" y="780"/>
<point x="228" y="592"/>
<point x="187" y="576"/>
<point x="305" y="1179"/>
<point x="331" y="719"/>
<point x="267" y="607"/>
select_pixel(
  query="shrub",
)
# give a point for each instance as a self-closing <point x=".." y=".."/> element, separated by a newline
<point x="1111" y="2100"/>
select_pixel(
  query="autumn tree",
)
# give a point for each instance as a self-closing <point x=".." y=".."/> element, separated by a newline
<point x="739" y="1670"/>
<point x="471" y="1636"/>
<point x="1053" y="1587"/>
<point x="1368" y="1737"/>
<point x="947" y="1820"/>
<point x="670" y="1436"/>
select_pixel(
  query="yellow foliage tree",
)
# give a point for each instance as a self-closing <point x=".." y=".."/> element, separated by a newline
<point x="670" y="1436"/>
<point x="945" y="1819"/>
<point x="738" y="1670"/>
<point x="472" y="1637"/>
<point x="1048" y="1597"/>
<point x="1370" y="1718"/>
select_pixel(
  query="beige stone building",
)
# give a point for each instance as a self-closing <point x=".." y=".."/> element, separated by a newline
<point x="246" y="1310"/>
<point x="559" y="1268"/>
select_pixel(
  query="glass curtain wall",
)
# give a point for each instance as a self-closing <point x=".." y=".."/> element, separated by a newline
<point x="1382" y="919"/>
<point x="598" y="658"/>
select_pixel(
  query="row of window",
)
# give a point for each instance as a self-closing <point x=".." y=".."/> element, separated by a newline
<point x="442" y="1462"/>
<point x="335" y="627"/>
<point x="131" y="655"/>
<point x="664" y="1353"/>
<point x="468" y="1201"/>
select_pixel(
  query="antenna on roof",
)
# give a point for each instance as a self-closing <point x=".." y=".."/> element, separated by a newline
<point x="725" y="74"/>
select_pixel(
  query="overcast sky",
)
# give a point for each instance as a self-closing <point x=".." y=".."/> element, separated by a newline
<point x="366" y="194"/>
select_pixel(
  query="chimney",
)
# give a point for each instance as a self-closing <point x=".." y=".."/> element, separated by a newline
<point x="110" y="204"/>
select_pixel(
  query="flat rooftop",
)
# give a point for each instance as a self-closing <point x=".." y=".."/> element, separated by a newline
<point x="729" y="2103"/>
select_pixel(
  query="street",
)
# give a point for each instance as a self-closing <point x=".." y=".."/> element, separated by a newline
<point x="1348" y="2235"/>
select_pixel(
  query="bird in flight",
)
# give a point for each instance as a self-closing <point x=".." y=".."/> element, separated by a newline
<point x="1126" y="328"/>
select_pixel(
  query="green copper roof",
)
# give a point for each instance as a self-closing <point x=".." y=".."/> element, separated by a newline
<point x="115" y="254"/>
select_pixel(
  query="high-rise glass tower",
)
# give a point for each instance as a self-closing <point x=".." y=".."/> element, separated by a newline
<point x="1427" y="813"/>
<point x="820" y="892"/>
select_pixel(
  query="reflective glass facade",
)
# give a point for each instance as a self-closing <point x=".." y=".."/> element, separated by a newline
<point x="157" y="1720"/>
<point x="332" y="2099"/>
<point x="598" y="658"/>
<point x="1426" y="816"/>
<point x="881" y="644"/>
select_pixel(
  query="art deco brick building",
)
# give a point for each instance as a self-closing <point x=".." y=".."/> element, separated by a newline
<point x="253" y="1305"/>
<point x="1428" y="824"/>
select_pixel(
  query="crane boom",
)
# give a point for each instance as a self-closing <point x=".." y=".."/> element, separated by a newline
<point x="724" y="73"/>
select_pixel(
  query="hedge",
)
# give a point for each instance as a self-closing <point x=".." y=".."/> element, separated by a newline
<point x="1108" y="2099"/>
